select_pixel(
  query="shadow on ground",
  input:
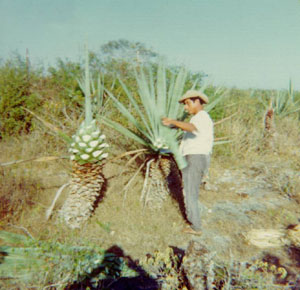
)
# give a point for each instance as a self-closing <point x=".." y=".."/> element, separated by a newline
<point x="139" y="282"/>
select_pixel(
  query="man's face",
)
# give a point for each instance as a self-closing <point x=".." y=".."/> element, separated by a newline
<point x="191" y="106"/>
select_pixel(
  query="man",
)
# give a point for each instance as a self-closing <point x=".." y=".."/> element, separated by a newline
<point x="196" y="146"/>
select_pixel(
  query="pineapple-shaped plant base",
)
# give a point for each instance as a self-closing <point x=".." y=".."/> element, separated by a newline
<point x="88" y="152"/>
<point x="160" y="172"/>
<point x="85" y="187"/>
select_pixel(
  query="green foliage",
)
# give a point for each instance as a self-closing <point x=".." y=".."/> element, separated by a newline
<point x="96" y="93"/>
<point x="168" y="269"/>
<point x="165" y="267"/>
<point x="33" y="262"/>
<point x="128" y="51"/>
<point x="284" y="102"/>
<point x="217" y="102"/>
<point x="15" y="94"/>
<point x="63" y="77"/>
<point x="256" y="275"/>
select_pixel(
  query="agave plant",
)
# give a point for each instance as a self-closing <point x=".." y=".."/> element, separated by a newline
<point x="281" y="104"/>
<point x="284" y="102"/>
<point x="88" y="151"/>
<point x="158" y="97"/>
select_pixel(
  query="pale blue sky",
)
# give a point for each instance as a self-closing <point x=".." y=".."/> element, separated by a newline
<point x="242" y="43"/>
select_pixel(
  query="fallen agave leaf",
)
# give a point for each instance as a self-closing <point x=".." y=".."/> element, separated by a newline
<point x="46" y="158"/>
<point x="267" y="238"/>
<point x="38" y="159"/>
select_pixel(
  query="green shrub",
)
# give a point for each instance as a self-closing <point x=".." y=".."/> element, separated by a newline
<point x="15" y="94"/>
<point x="63" y="77"/>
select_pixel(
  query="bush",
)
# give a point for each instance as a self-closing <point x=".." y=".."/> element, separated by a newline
<point x="64" y="77"/>
<point x="15" y="94"/>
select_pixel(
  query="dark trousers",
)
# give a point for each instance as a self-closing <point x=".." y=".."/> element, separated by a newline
<point x="192" y="175"/>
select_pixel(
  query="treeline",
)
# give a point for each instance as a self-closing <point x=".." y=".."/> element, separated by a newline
<point x="55" y="91"/>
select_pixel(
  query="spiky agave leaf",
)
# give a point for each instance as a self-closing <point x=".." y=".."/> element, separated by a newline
<point x="50" y="126"/>
<point x="96" y="91"/>
<point x="13" y="238"/>
<point x="219" y="94"/>
<point x="283" y="102"/>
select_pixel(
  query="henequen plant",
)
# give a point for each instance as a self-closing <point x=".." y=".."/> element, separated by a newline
<point x="88" y="151"/>
<point x="281" y="104"/>
<point x="158" y="97"/>
<point x="284" y="102"/>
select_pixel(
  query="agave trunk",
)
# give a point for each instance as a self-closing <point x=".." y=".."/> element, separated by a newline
<point x="269" y="128"/>
<point x="269" y="121"/>
<point x="157" y="179"/>
<point x="86" y="184"/>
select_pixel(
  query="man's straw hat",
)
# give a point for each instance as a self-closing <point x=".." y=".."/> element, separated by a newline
<point x="194" y="94"/>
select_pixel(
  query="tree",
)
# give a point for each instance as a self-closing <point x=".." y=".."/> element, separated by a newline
<point x="125" y="50"/>
<point x="15" y="94"/>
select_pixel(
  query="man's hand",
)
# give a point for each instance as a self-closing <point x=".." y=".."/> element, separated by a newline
<point x="167" y="121"/>
<point x="178" y="124"/>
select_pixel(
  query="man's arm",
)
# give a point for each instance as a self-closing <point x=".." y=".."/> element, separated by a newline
<point x="182" y="125"/>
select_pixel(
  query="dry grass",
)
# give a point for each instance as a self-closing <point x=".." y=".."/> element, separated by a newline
<point x="19" y="192"/>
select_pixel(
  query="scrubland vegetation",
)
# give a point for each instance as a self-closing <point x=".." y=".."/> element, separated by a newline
<point x="253" y="184"/>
